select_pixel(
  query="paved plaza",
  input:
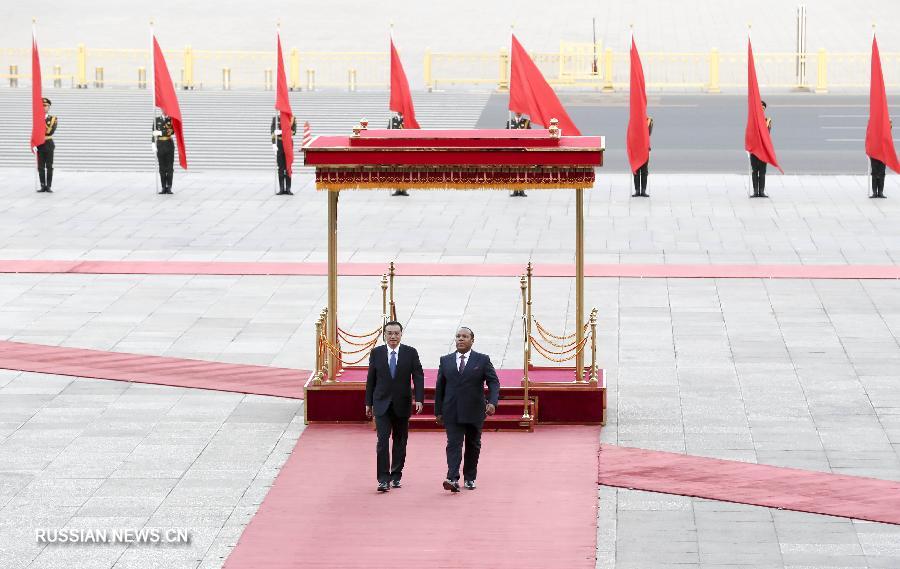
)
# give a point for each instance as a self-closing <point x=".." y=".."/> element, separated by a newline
<point x="787" y="372"/>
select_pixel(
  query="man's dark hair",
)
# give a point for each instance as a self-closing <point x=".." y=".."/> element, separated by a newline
<point x="469" y="329"/>
<point x="763" y="104"/>
<point x="391" y="323"/>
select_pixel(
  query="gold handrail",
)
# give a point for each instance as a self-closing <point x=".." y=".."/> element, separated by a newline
<point x="391" y="273"/>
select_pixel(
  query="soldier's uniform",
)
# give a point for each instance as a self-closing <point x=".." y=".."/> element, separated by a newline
<point x="758" y="175"/>
<point x="163" y="138"/>
<point x="284" y="180"/>
<point x="641" y="174"/>
<point x="45" y="152"/>
<point x="518" y="122"/>
<point x="878" y="172"/>
<point x="397" y="122"/>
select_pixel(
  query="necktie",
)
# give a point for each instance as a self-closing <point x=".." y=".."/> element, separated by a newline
<point x="462" y="363"/>
<point x="392" y="363"/>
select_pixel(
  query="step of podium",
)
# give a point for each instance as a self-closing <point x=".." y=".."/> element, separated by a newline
<point x="508" y="417"/>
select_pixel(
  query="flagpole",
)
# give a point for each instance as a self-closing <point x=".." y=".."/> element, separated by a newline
<point x="509" y="113"/>
<point x="869" y="162"/>
<point x="36" y="159"/>
<point x="277" y="114"/>
<point x="631" y="64"/>
<point x="390" y="121"/>
<point x="151" y="83"/>
<point x="749" y="160"/>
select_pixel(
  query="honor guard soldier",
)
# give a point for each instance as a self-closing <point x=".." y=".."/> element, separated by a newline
<point x="758" y="175"/>
<point x="397" y="122"/>
<point x="284" y="180"/>
<point x="45" y="150"/>
<point x="878" y="172"/>
<point x="164" y="145"/>
<point x="640" y="176"/>
<point x="518" y="121"/>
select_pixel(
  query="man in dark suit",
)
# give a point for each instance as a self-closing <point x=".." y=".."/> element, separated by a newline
<point x="396" y="121"/>
<point x="389" y="399"/>
<point x="518" y="122"/>
<point x="459" y="404"/>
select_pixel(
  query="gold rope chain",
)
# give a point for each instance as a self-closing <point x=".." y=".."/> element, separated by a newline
<point x="545" y="351"/>
<point x="547" y="332"/>
<point x="346" y="333"/>
<point x="352" y="343"/>
<point x="552" y="343"/>
<point x="557" y="360"/>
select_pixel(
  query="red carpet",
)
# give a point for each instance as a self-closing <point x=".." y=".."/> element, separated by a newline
<point x="756" y="484"/>
<point x="535" y="506"/>
<point x="795" y="271"/>
<point x="177" y="372"/>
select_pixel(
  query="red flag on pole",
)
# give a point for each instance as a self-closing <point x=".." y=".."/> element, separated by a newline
<point x="166" y="100"/>
<point x="756" y="137"/>
<point x="529" y="93"/>
<point x="38" y="117"/>
<point x="879" y="142"/>
<point x="638" y="136"/>
<point x="401" y="99"/>
<point x="283" y="106"/>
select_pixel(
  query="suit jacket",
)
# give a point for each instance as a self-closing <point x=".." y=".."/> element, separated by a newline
<point x="382" y="389"/>
<point x="460" y="398"/>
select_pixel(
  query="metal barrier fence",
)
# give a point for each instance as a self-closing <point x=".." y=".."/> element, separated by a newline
<point x="574" y="66"/>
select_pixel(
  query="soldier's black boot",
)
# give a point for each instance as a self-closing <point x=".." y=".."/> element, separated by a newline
<point x="287" y="186"/>
<point x="49" y="180"/>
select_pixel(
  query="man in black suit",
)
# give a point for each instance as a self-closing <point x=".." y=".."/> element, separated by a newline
<point x="389" y="399"/>
<point x="459" y="404"/>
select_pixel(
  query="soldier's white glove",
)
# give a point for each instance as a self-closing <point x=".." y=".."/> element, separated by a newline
<point x="277" y="132"/>
<point x="34" y="149"/>
<point x="157" y="133"/>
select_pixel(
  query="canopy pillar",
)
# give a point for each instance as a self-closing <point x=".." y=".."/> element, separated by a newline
<point x="332" y="328"/>
<point x="579" y="283"/>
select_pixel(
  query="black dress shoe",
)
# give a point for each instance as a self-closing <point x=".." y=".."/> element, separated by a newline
<point x="452" y="485"/>
<point x="470" y="484"/>
<point x="383" y="486"/>
<point x="288" y="193"/>
<point x="395" y="484"/>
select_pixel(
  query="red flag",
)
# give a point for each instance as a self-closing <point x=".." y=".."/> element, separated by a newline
<point x="879" y="142"/>
<point x="529" y="93"/>
<point x="756" y="138"/>
<point x="638" y="137"/>
<point x="401" y="99"/>
<point x="38" y="117"/>
<point x="283" y="106"/>
<point x="165" y="99"/>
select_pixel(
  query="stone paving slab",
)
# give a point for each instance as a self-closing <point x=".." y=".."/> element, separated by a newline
<point x="690" y="219"/>
<point x="173" y="469"/>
